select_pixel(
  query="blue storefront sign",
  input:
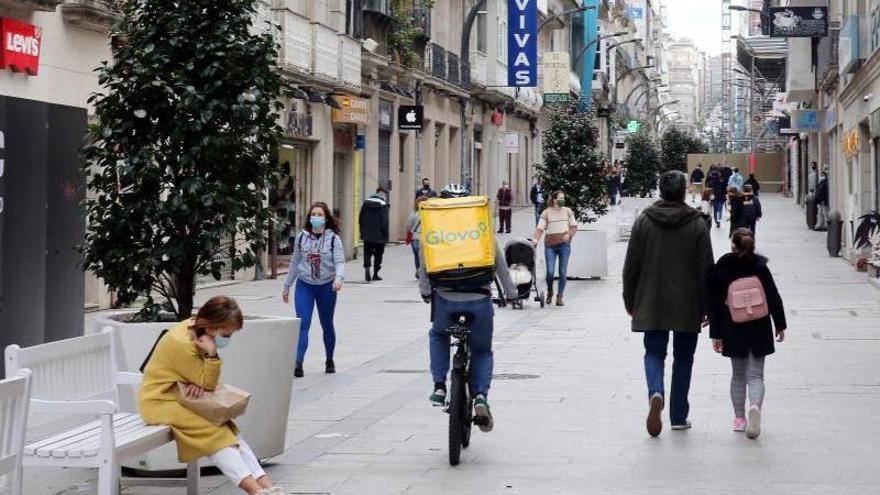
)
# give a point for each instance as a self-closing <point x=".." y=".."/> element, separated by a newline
<point x="807" y="120"/>
<point x="635" y="13"/>
<point x="522" y="43"/>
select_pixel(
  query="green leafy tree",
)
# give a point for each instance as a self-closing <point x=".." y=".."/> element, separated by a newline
<point x="181" y="157"/>
<point x="573" y="162"/>
<point x="676" y="146"/>
<point x="642" y="165"/>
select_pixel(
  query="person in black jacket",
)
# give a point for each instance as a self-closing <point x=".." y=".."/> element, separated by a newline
<point x="538" y="197"/>
<point x="822" y="202"/>
<point x="373" y="222"/>
<point x="747" y="343"/>
<point x="716" y="181"/>
<point x="756" y="186"/>
<point x="736" y="209"/>
<point x="750" y="209"/>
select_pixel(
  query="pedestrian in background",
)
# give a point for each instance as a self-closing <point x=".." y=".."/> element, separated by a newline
<point x="188" y="354"/>
<point x="504" y="199"/>
<point x="706" y="208"/>
<point x="538" y="197"/>
<point x="822" y="202"/>
<point x="669" y="242"/>
<point x="735" y="200"/>
<point x="613" y="182"/>
<point x="426" y="189"/>
<point x="745" y="338"/>
<point x="753" y="181"/>
<point x="751" y="209"/>
<point x="373" y="222"/>
<point x="697" y="178"/>
<point x="718" y="186"/>
<point x="559" y="225"/>
<point x="414" y="232"/>
<point x="318" y="269"/>
<point x="726" y="173"/>
<point x="736" y="180"/>
<point x="813" y="178"/>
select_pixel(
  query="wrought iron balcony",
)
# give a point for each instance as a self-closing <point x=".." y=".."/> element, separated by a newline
<point x="42" y="5"/>
<point x="95" y="15"/>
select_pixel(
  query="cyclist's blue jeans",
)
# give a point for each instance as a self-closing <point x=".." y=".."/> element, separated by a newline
<point x="415" y="250"/>
<point x="719" y="210"/>
<point x="683" y="347"/>
<point x="561" y="252"/>
<point x="480" y="340"/>
<point x="306" y="297"/>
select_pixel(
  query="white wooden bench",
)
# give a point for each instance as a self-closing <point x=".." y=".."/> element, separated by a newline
<point x="14" y="395"/>
<point x="80" y="376"/>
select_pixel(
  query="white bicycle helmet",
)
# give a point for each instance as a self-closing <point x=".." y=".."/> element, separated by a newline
<point x="453" y="190"/>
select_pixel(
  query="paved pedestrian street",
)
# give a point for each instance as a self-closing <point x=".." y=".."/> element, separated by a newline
<point x="569" y="395"/>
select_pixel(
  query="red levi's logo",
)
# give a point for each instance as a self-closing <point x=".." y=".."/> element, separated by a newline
<point x="20" y="45"/>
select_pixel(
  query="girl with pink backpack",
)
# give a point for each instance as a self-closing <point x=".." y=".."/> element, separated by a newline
<point x="745" y="307"/>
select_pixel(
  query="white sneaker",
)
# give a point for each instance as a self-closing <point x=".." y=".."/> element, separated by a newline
<point x="753" y="430"/>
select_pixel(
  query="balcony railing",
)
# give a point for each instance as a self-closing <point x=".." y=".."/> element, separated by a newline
<point x="95" y="15"/>
<point x="445" y="65"/>
<point x="454" y="69"/>
<point x="296" y="41"/>
<point x="436" y="61"/>
<point x="31" y="5"/>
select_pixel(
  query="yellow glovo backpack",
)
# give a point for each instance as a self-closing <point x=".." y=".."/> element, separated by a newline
<point x="458" y="241"/>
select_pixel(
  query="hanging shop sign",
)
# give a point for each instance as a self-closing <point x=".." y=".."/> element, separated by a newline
<point x="556" y="67"/>
<point x="807" y="120"/>
<point x="497" y="118"/>
<point x="20" y="46"/>
<point x="353" y="111"/>
<point x="511" y="142"/>
<point x="635" y="13"/>
<point x="410" y="117"/>
<point x="849" y="45"/>
<point x="633" y="126"/>
<point x="851" y="143"/>
<point x="522" y="43"/>
<point x="798" y="22"/>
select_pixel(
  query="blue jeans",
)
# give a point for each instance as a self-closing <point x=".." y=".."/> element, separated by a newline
<point x="561" y="252"/>
<point x="415" y="250"/>
<point x="719" y="210"/>
<point x="538" y="209"/>
<point x="683" y="347"/>
<point x="306" y="297"/>
<point x="480" y="340"/>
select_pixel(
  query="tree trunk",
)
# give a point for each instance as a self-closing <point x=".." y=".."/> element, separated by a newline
<point x="185" y="282"/>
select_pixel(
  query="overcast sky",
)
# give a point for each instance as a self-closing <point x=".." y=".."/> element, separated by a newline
<point x="699" y="20"/>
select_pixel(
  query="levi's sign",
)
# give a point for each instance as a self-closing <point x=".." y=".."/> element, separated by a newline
<point x="522" y="43"/>
<point x="20" y="45"/>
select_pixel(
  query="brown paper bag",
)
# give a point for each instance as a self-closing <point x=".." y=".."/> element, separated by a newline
<point x="218" y="407"/>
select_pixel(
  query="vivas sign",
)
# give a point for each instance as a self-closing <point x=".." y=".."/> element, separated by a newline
<point x="522" y="43"/>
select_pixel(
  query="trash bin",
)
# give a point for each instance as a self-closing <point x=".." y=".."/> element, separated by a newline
<point x="812" y="211"/>
<point x="835" y="232"/>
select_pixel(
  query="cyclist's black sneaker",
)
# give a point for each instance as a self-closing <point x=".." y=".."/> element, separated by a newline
<point x="298" y="371"/>
<point x="329" y="366"/>
<point x="482" y="414"/>
<point x="438" y="398"/>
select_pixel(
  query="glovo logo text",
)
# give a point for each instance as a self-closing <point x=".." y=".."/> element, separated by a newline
<point x="435" y="237"/>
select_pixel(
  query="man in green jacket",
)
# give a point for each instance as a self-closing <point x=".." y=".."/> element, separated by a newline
<point x="665" y="290"/>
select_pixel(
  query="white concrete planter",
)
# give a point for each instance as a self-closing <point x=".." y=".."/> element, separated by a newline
<point x="260" y="359"/>
<point x="589" y="254"/>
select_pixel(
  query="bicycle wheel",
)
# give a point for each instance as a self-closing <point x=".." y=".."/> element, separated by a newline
<point x="457" y="417"/>
<point x="468" y="421"/>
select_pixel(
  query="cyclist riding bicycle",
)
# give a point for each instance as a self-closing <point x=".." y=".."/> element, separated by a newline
<point x="447" y="302"/>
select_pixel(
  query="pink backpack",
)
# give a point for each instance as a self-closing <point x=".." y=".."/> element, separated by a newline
<point x="747" y="300"/>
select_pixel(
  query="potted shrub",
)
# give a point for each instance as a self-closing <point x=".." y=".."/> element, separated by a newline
<point x="573" y="163"/>
<point x="178" y="165"/>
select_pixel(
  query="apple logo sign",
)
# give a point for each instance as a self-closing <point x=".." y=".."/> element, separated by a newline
<point x="411" y="116"/>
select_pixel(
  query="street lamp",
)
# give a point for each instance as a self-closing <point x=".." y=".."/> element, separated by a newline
<point x="554" y="17"/>
<point x="594" y="41"/>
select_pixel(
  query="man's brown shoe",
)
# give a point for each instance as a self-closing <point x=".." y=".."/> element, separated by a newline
<point x="655" y="420"/>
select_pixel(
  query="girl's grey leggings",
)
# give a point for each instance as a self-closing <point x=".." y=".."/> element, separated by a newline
<point x="747" y="371"/>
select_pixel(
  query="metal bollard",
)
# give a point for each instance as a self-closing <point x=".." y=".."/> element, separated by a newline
<point x="835" y="233"/>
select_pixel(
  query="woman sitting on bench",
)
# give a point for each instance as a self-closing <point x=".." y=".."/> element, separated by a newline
<point x="188" y="354"/>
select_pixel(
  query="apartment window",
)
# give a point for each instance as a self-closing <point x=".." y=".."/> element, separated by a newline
<point x="354" y="18"/>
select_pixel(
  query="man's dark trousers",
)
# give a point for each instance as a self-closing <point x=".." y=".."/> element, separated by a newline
<point x="373" y="252"/>
<point x="684" y="344"/>
<point x="504" y="217"/>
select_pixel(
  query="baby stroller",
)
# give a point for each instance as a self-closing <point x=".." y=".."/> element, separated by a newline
<point x="522" y="261"/>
